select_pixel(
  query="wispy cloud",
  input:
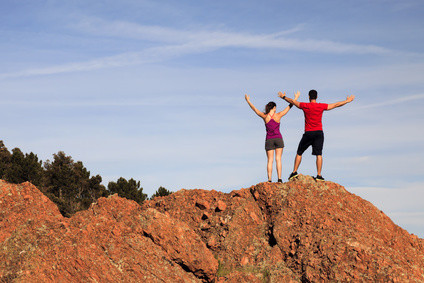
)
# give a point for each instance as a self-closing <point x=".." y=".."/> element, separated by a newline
<point x="175" y="43"/>
<point x="128" y="30"/>
<point x="125" y="59"/>
<point x="222" y="39"/>
<point x="393" y="101"/>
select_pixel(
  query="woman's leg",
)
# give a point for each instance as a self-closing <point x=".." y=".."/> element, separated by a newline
<point x="270" y="156"/>
<point x="278" y="154"/>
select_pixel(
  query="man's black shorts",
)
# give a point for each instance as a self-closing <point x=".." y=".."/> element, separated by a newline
<point x="314" y="138"/>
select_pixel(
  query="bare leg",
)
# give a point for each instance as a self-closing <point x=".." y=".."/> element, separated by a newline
<point x="270" y="155"/>
<point x="319" y="164"/>
<point x="297" y="161"/>
<point x="278" y="154"/>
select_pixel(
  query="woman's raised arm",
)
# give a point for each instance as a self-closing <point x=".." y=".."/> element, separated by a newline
<point x="259" y="113"/>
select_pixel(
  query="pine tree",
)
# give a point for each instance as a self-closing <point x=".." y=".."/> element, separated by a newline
<point x="69" y="184"/>
<point x="65" y="182"/>
<point x="23" y="168"/>
<point x="33" y="170"/>
<point x="128" y="189"/>
<point x="161" y="192"/>
<point x="4" y="160"/>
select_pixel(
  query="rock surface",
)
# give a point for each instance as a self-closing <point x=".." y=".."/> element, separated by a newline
<point x="300" y="231"/>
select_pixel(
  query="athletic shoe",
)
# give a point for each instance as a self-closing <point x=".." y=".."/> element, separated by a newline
<point x="293" y="175"/>
<point x="280" y="181"/>
<point x="319" y="178"/>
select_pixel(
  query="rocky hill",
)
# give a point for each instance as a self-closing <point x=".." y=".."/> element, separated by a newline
<point x="300" y="231"/>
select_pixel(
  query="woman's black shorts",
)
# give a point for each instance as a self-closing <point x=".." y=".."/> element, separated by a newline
<point x="272" y="144"/>
<point x="314" y="138"/>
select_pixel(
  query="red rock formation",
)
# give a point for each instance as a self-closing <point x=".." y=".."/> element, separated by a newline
<point x="300" y="231"/>
<point x="113" y="241"/>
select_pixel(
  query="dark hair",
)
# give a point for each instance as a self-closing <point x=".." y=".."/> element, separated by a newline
<point x="269" y="106"/>
<point x="313" y="94"/>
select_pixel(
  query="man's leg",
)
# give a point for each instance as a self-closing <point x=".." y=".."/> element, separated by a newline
<point x="297" y="161"/>
<point x="304" y="143"/>
<point x="317" y="150"/>
<point x="319" y="164"/>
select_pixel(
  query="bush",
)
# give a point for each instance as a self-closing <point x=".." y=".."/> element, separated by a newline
<point x="70" y="184"/>
<point x="161" y="192"/>
<point x="65" y="182"/>
<point x="127" y="189"/>
<point x="18" y="168"/>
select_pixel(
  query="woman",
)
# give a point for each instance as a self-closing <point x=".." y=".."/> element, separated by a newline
<point x="274" y="140"/>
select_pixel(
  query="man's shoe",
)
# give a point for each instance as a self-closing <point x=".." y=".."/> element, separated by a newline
<point x="319" y="178"/>
<point x="293" y="175"/>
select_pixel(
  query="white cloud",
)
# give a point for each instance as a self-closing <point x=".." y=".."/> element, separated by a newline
<point x="222" y="39"/>
<point x="395" y="101"/>
<point x="125" y="59"/>
<point x="177" y="42"/>
<point x="128" y="30"/>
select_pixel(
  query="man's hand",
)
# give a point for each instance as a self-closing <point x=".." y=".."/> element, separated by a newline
<point x="296" y="95"/>
<point x="350" y="98"/>
<point x="282" y="95"/>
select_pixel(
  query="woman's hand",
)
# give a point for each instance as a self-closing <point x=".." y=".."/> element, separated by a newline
<point x="282" y="95"/>
<point x="259" y="113"/>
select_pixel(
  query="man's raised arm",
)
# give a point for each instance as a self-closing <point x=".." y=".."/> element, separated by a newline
<point x="341" y="103"/>
<point x="289" y="100"/>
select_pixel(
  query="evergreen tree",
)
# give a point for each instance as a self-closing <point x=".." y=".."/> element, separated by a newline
<point x="161" y="192"/>
<point x="65" y="182"/>
<point x="4" y="160"/>
<point x="32" y="169"/>
<point x="69" y="184"/>
<point x="128" y="189"/>
<point x="15" y="171"/>
<point x="22" y="168"/>
<point x="96" y="189"/>
<point x="60" y="179"/>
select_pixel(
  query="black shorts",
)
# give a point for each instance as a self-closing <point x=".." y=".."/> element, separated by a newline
<point x="314" y="138"/>
<point x="272" y="144"/>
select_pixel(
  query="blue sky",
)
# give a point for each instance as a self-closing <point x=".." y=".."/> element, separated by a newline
<point x="154" y="90"/>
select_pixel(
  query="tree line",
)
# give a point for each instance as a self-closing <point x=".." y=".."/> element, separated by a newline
<point x="66" y="182"/>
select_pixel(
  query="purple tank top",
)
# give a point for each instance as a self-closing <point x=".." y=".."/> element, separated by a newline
<point x="272" y="130"/>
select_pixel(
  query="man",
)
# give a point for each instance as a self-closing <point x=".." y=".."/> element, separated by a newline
<point x="314" y="134"/>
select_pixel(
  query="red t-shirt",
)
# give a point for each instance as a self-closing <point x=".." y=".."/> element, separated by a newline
<point x="313" y="115"/>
